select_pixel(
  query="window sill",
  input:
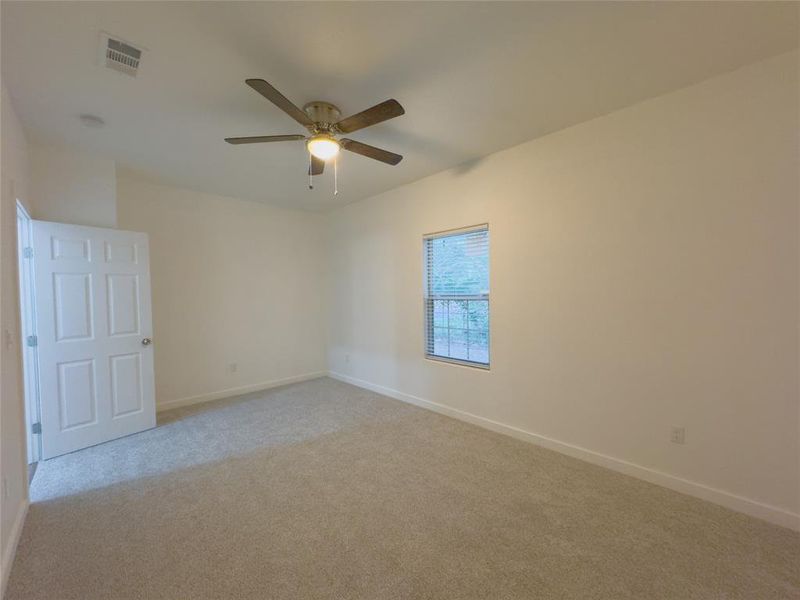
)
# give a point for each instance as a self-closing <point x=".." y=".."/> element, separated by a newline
<point x="457" y="362"/>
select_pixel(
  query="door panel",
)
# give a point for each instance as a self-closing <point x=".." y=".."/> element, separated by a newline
<point x="123" y="304"/>
<point x="76" y="394"/>
<point x="93" y="300"/>
<point x="64" y="249"/>
<point x="73" y="298"/>
<point x="126" y="384"/>
<point x="120" y="253"/>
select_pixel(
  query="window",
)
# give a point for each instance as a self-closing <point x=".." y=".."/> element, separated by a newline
<point x="457" y="296"/>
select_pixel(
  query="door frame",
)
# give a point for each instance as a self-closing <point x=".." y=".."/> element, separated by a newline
<point x="30" y="359"/>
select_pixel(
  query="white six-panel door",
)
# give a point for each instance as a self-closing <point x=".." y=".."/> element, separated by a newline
<point x="94" y="328"/>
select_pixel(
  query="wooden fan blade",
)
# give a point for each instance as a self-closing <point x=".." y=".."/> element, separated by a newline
<point x="279" y="100"/>
<point x="390" y="158"/>
<point x="317" y="166"/>
<point x="377" y="114"/>
<point x="258" y="139"/>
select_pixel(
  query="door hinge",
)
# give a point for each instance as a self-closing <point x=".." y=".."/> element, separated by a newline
<point x="36" y="428"/>
<point x="27" y="252"/>
<point x="33" y="341"/>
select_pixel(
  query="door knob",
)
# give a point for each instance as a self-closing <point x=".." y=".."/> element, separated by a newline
<point x="146" y="342"/>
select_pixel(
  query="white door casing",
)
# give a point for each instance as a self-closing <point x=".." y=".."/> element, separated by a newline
<point x="96" y="378"/>
<point x="28" y="328"/>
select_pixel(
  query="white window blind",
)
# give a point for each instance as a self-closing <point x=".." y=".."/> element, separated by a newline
<point x="457" y="296"/>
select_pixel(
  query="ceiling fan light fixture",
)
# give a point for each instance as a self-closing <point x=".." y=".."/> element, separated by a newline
<point x="324" y="147"/>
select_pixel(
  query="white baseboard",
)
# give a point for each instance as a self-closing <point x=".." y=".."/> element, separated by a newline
<point x="237" y="391"/>
<point x="741" y="504"/>
<point x="11" y="548"/>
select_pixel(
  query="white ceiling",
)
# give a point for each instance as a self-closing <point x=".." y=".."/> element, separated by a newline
<point x="473" y="77"/>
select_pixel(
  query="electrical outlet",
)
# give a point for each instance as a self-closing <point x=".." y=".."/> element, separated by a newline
<point x="678" y="435"/>
<point x="233" y="367"/>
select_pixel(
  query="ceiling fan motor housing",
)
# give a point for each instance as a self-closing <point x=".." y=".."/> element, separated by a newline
<point x="324" y="114"/>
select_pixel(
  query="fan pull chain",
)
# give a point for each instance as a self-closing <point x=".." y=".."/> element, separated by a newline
<point x="336" y="176"/>
<point x="310" y="176"/>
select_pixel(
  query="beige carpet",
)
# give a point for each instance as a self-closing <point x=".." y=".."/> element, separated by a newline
<point x="324" y="490"/>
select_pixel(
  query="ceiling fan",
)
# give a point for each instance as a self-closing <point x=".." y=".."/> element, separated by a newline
<point x="323" y="122"/>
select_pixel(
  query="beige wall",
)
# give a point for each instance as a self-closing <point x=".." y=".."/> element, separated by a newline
<point x="233" y="282"/>
<point x="14" y="185"/>
<point x="69" y="186"/>
<point x="644" y="272"/>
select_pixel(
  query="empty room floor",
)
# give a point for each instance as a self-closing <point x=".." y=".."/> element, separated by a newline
<point x="325" y="490"/>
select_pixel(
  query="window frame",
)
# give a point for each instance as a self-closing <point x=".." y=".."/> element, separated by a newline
<point x="426" y="298"/>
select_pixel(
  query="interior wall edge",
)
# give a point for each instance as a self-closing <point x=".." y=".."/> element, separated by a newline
<point x="10" y="551"/>
<point x="14" y="185"/>
<point x="753" y="508"/>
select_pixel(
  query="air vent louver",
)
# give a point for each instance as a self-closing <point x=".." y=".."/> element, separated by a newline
<point x="120" y="56"/>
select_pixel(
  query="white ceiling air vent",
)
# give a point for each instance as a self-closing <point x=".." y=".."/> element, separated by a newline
<point x="118" y="55"/>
